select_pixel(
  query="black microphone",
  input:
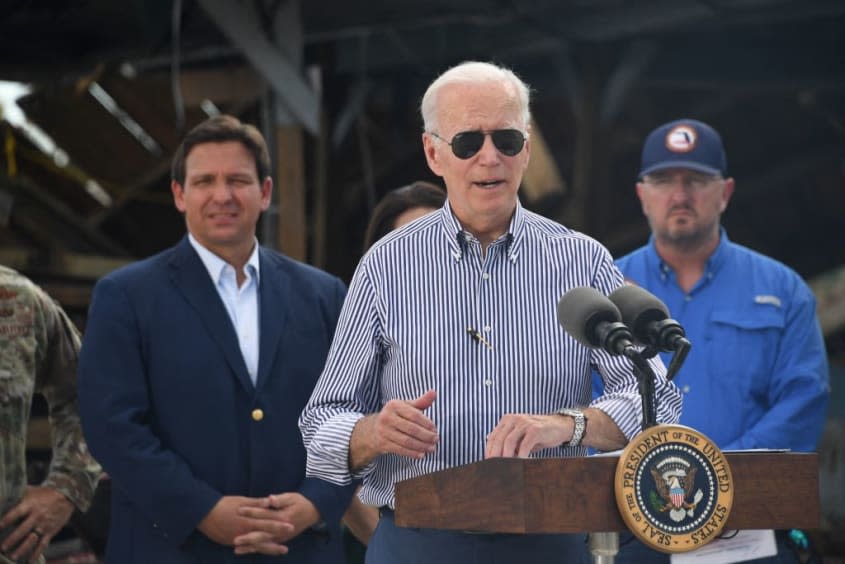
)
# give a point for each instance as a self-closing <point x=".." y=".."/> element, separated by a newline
<point x="592" y="320"/>
<point x="648" y="319"/>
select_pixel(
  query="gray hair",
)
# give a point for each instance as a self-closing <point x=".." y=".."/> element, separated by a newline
<point x="473" y="72"/>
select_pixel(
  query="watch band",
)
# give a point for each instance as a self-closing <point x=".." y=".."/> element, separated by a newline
<point x="580" y="425"/>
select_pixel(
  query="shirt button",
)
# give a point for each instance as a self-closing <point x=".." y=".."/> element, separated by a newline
<point x="687" y="298"/>
<point x="488" y="382"/>
<point x="487" y="328"/>
<point x="685" y="389"/>
<point x="486" y="276"/>
<point x="257" y="414"/>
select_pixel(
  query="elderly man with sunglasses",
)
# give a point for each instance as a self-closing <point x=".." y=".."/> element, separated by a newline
<point x="448" y="349"/>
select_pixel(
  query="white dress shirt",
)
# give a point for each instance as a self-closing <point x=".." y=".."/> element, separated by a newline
<point x="241" y="303"/>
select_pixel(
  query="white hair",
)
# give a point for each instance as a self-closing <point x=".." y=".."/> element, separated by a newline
<point x="473" y="72"/>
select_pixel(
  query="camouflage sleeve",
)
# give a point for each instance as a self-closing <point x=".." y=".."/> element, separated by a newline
<point x="73" y="471"/>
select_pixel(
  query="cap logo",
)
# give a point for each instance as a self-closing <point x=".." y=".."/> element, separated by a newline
<point x="681" y="139"/>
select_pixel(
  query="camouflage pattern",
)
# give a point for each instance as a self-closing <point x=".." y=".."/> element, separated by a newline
<point x="39" y="348"/>
<point x="6" y="560"/>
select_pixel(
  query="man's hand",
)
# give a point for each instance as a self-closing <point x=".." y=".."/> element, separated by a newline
<point x="521" y="434"/>
<point x="39" y="515"/>
<point x="399" y="428"/>
<point x="293" y="510"/>
<point x="225" y="522"/>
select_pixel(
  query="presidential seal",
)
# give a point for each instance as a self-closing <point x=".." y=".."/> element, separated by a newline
<point x="673" y="488"/>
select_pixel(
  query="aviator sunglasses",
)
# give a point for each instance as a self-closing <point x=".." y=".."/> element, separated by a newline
<point x="467" y="143"/>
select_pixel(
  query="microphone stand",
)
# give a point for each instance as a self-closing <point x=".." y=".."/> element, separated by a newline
<point x="645" y="379"/>
<point x="604" y="546"/>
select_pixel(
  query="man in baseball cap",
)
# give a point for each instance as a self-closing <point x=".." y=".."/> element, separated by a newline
<point x="757" y="375"/>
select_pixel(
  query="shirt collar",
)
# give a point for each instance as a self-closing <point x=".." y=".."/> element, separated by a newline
<point x="457" y="237"/>
<point x="714" y="263"/>
<point x="720" y="255"/>
<point x="215" y="265"/>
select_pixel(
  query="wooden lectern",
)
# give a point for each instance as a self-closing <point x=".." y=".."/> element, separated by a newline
<point x="772" y="490"/>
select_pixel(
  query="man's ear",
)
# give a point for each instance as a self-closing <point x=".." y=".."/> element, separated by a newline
<point x="726" y="194"/>
<point x="178" y="195"/>
<point x="640" y="189"/>
<point x="431" y="155"/>
<point x="266" y="193"/>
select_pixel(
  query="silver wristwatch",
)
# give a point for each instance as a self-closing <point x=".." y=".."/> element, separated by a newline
<point x="580" y="425"/>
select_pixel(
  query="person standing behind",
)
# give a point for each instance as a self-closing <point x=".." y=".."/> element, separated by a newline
<point x="398" y="207"/>
<point x="757" y="375"/>
<point x="194" y="367"/>
<point x="449" y="351"/>
<point x="39" y="346"/>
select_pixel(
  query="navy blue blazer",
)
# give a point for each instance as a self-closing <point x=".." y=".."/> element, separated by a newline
<point x="168" y="407"/>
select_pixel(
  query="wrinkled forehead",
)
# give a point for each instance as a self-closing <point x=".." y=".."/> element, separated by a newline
<point x="484" y="105"/>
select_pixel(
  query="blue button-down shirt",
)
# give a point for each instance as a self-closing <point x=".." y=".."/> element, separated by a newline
<point x="241" y="302"/>
<point x="757" y="374"/>
<point x="403" y="331"/>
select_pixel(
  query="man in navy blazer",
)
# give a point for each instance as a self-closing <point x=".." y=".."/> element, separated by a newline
<point x="195" y="366"/>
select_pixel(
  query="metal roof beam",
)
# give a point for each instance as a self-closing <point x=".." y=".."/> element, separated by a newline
<point x="242" y="25"/>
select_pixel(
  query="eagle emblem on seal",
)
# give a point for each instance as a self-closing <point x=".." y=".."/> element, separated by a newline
<point x="674" y="480"/>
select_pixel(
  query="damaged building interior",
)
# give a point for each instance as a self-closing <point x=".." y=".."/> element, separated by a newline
<point x="106" y="90"/>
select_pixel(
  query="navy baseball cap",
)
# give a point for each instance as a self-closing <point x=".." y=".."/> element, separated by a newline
<point x="685" y="143"/>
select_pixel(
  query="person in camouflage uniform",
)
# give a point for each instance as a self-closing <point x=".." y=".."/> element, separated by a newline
<point x="39" y="346"/>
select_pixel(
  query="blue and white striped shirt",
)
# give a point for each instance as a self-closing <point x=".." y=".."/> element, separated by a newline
<point x="403" y="331"/>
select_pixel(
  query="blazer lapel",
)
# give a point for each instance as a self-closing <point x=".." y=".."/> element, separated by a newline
<point x="191" y="278"/>
<point x="273" y="300"/>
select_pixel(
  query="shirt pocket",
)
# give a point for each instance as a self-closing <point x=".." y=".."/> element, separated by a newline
<point x="745" y="345"/>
